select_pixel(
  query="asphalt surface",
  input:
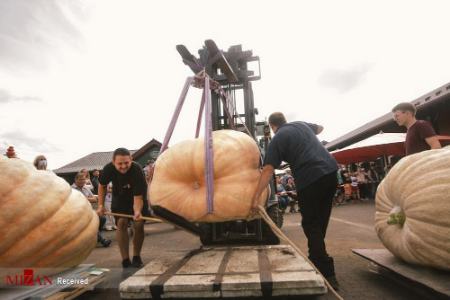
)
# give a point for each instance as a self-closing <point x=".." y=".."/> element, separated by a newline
<point x="351" y="226"/>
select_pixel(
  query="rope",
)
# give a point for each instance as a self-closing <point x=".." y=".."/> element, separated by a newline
<point x="281" y="235"/>
<point x="200" y="112"/>
<point x="176" y="113"/>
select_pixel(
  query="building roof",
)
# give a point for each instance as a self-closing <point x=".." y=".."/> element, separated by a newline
<point x="145" y="148"/>
<point x="440" y="94"/>
<point x="98" y="160"/>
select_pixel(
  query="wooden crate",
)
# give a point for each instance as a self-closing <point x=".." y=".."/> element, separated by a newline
<point x="250" y="271"/>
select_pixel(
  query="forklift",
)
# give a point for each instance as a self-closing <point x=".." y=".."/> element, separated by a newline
<point x="229" y="70"/>
<point x="237" y="258"/>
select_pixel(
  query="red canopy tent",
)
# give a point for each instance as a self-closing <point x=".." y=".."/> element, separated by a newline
<point x="378" y="145"/>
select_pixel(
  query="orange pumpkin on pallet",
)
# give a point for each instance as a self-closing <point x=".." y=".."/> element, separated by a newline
<point x="44" y="223"/>
<point x="179" y="179"/>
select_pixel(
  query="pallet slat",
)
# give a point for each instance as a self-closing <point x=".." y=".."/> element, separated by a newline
<point x="226" y="272"/>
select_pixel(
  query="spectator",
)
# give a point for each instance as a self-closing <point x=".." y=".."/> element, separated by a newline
<point x="80" y="185"/>
<point x="361" y="176"/>
<point x="348" y="190"/>
<point x="387" y="168"/>
<point x="373" y="181"/>
<point x="147" y="169"/>
<point x="40" y="162"/>
<point x="355" y="188"/>
<point x="110" y="222"/>
<point x="420" y="135"/>
<point x="346" y="176"/>
<point x="94" y="181"/>
<point x="286" y="177"/>
<point x="88" y="179"/>
<point x="340" y="175"/>
<point x="292" y="194"/>
<point x="10" y="152"/>
<point x="282" y="195"/>
<point x="339" y="196"/>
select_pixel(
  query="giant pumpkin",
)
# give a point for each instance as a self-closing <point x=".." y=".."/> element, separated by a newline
<point x="44" y="223"/>
<point x="179" y="179"/>
<point x="412" y="216"/>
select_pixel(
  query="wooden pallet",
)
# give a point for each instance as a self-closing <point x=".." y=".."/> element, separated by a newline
<point x="59" y="291"/>
<point x="430" y="283"/>
<point x="251" y="271"/>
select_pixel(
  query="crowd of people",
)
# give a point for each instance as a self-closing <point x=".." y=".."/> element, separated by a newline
<point x="356" y="183"/>
<point x="286" y="192"/>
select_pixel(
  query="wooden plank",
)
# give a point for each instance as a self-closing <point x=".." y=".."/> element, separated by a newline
<point x="245" y="260"/>
<point x="435" y="280"/>
<point x="206" y="262"/>
<point x="279" y="258"/>
<point x="227" y="272"/>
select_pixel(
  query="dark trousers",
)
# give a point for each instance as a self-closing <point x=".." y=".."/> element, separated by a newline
<point x="315" y="206"/>
<point x="100" y="227"/>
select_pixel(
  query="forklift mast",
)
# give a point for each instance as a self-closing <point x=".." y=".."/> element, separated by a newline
<point x="230" y="70"/>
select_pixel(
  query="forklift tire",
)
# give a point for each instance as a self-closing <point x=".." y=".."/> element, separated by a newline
<point x="269" y="237"/>
<point x="276" y="215"/>
<point x="206" y="234"/>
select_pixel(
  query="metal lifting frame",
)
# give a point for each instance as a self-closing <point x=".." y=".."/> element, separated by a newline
<point x="211" y="60"/>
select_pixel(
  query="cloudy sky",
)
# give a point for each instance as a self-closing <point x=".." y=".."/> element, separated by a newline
<point x="83" y="76"/>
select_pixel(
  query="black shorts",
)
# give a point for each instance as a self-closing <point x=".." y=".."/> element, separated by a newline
<point x="122" y="206"/>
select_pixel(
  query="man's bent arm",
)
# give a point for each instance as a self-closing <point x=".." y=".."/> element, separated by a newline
<point x="433" y="142"/>
<point x="264" y="179"/>
<point x="138" y="204"/>
<point x="92" y="199"/>
<point x="101" y="195"/>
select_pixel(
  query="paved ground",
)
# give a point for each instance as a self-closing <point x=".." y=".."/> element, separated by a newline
<point x="351" y="226"/>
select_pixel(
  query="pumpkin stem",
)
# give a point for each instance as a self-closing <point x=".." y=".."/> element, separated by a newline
<point x="396" y="216"/>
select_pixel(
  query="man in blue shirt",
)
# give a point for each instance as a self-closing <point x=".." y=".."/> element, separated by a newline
<point x="314" y="171"/>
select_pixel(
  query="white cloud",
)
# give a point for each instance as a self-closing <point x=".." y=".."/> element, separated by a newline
<point x="344" y="80"/>
<point x="108" y="73"/>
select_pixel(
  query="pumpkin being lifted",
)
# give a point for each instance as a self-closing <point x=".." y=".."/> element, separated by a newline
<point x="178" y="183"/>
<point x="43" y="222"/>
<point x="413" y="209"/>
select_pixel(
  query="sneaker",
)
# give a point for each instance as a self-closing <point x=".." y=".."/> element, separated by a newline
<point x="126" y="263"/>
<point x="105" y="243"/>
<point x="137" y="262"/>
<point x="333" y="282"/>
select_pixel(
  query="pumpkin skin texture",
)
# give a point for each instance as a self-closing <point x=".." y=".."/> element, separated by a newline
<point x="44" y="223"/>
<point x="179" y="180"/>
<point x="419" y="185"/>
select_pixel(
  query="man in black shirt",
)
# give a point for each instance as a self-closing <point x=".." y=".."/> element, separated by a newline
<point x="314" y="171"/>
<point x="129" y="196"/>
